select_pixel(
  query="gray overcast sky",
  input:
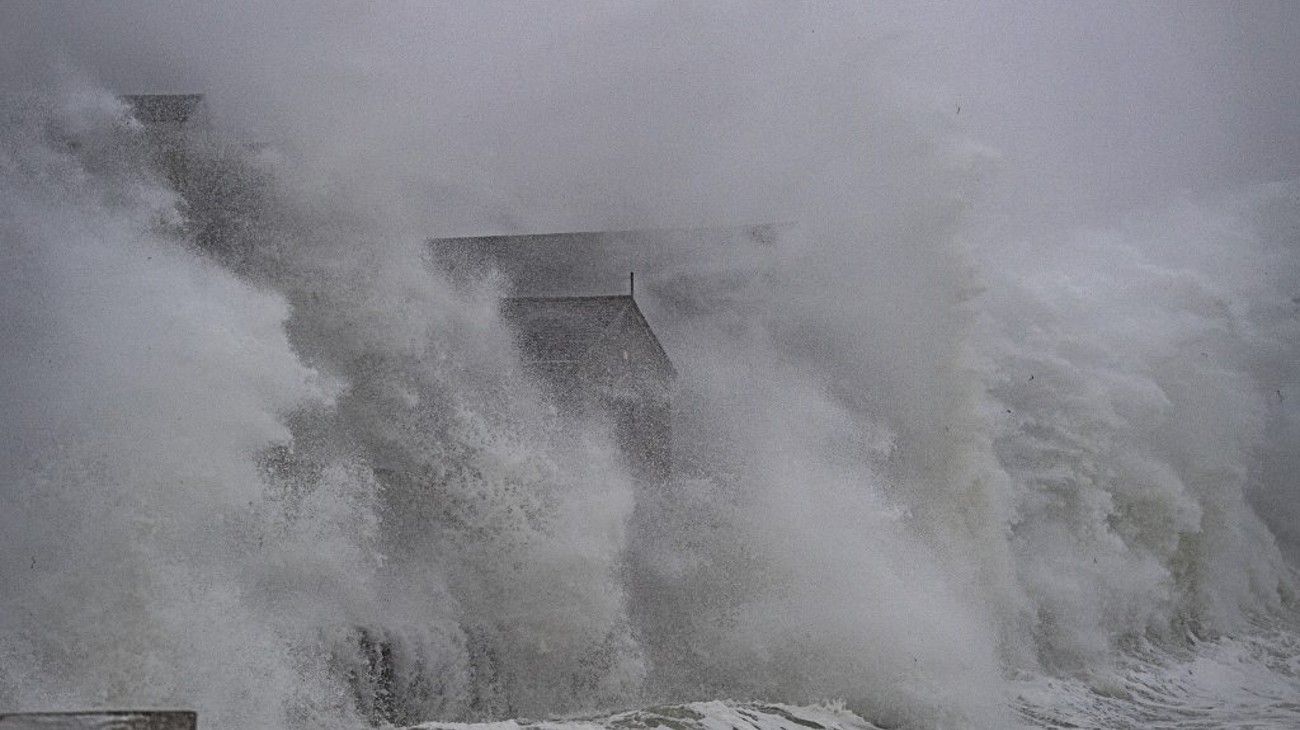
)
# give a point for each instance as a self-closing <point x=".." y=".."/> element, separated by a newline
<point x="543" y="116"/>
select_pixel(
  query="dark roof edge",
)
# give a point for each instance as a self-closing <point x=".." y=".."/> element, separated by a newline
<point x="653" y="337"/>
<point x="565" y="298"/>
<point x="721" y="228"/>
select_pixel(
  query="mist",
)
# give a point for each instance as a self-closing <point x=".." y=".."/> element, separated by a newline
<point x="1011" y="391"/>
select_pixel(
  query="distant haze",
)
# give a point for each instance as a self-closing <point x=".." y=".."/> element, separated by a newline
<point x="508" y="117"/>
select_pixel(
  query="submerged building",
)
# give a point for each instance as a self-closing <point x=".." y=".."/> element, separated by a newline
<point x="598" y="356"/>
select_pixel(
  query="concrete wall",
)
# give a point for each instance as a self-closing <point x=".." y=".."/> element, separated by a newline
<point x="115" y="720"/>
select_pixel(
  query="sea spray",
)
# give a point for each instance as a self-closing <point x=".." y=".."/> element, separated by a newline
<point x="140" y="383"/>
<point x="1132" y="402"/>
<point x="212" y="523"/>
<point x="501" y="525"/>
<point x="265" y="462"/>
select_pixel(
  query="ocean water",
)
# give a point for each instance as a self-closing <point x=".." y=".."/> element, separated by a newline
<point x="263" y="460"/>
<point x="1230" y="682"/>
<point x="715" y="715"/>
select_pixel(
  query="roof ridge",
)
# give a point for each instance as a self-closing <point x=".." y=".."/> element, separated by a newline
<point x="571" y="296"/>
<point x="668" y="229"/>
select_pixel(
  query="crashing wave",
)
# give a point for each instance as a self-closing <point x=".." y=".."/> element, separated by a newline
<point x="715" y="715"/>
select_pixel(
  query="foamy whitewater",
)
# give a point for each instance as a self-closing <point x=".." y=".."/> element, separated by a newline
<point x="263" y="460"/>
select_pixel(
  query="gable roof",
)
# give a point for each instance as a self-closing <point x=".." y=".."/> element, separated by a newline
<point x="566" y="330"/>
<point x="164" y="108"/>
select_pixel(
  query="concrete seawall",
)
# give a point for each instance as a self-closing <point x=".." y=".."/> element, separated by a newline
<point x="109" y="720"/>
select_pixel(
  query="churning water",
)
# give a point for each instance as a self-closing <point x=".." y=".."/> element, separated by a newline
<point x="261" y="459"/>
